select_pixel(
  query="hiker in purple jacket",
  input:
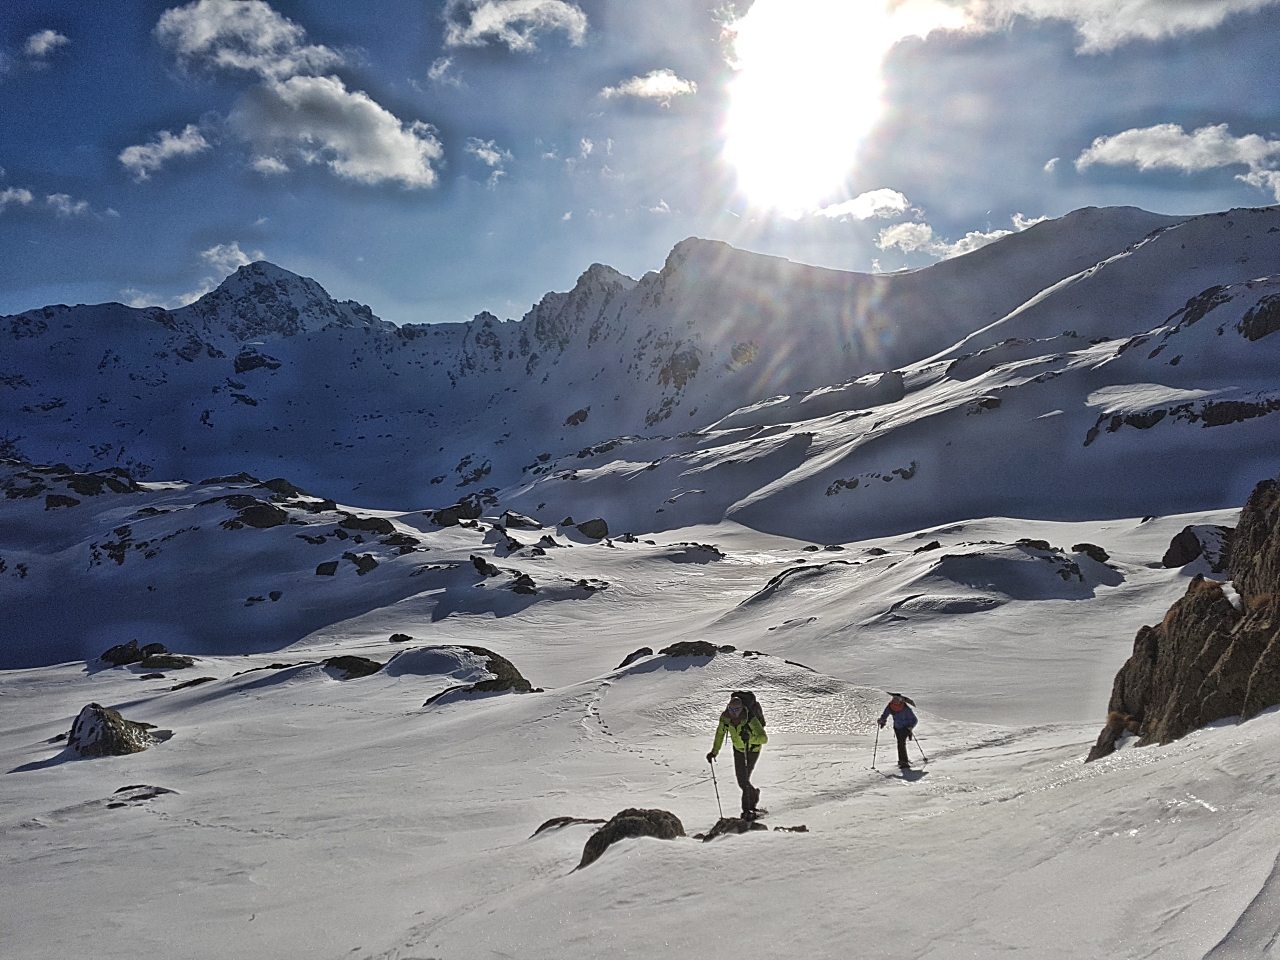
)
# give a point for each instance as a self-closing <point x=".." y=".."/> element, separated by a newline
<point x="904" y="721"/>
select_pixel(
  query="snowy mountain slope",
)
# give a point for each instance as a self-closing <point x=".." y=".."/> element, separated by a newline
<point x="270" y="375"/>
<point x="313" y="815"/>
<point x="1128" y="420"/>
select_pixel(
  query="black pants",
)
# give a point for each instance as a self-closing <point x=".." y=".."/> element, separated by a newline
<point x="743" y="764"/>
<point x="903" y="734"/>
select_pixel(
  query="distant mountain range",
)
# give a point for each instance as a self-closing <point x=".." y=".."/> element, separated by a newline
<point x="1111" y="362"/>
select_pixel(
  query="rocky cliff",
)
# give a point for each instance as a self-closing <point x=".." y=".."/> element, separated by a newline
<point x="1216" y="653"/>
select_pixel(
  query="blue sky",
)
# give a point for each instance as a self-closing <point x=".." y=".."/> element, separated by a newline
<point x="435" y="158"/>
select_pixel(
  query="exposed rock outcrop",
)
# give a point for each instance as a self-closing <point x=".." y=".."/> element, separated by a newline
<point x="354" y="667"/>
<point x="632" y="822"/>
<point x="595" y="529"/>
<point x="1215" y="654"/>
<point x="1211" y="542"/>
<point x="101" y="732"/>
<point x="695" y="648"/>
<point x="123" y="654"/>
<point x="505" y="677"/>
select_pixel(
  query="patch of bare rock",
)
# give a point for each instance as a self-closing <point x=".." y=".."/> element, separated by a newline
<point x="1216" y="654"/>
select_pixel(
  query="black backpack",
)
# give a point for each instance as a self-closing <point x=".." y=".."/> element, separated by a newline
<point x="751" y="703"/>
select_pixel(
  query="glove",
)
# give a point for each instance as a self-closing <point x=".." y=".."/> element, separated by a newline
<point x="911" y="735"/>
<point x="710" y="757"/>
<point x="881" y="723"/>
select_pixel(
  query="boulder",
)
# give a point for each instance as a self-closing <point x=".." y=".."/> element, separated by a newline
<point x="726" y="825"/>
<point x="379" y="525"/>
<point x="595" y="529"/>
<point x="364" y="562"/>
<point x="123" y="654"/>
<point x="1184" y="548"/>
<point x="633" y="822"/>
<point x="1092" y="551"/>
<point x="166" y="661"/>
<point x="102" y="732"/>
<point x="636" y="655"/>
<point x="505" y="677"/>
<point x="555" y="823"/>
<point x="694" y="648"/>
<point x="327" y="569"/>
<point x="524" y="584"/>
<point x="484" y="567"/>
<point x="354" y="667"/>
<point x="518" y="520"/>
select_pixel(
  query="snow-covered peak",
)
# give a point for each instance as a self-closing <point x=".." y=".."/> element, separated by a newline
<point x="262" y="300"/>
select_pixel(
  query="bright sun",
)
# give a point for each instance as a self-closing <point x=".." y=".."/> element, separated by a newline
<point x="807" y="90"/>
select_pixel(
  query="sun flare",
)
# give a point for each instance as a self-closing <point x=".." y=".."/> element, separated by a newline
<point x="807" y="90"/>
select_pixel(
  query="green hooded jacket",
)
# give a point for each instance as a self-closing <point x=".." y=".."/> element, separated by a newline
<point x="753" y="729"/>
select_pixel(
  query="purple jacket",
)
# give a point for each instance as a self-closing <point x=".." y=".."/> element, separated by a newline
<point x="904" y="719"/>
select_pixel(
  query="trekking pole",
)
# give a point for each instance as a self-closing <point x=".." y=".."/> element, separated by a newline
<point x="875" y="747"/>
<point x="920" y="748"/>
<point x="717" y="786"/>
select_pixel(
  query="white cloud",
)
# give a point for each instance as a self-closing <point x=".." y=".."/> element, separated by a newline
<point x="487" y="152"/>
<point x="880" y="204"/>
<point x="1052" y="165"/>
<point x="516" y="23"/>
<point x="660" y="208"/>
<point x="491" y="155"/>
<point x="64" y="206"/>
<point x="295" y="113"/>
<point x="269" y="166"/>
<point x="660" y="85"/>
<point x="242" y="35"/>
<point x="586" y="147"/>
<point x="568" y="215"/>
<point x="146" y="159"/>
<point x="319" y="120"/>
<point x="1167" y="146"/>
<point x="438" y="72"/>
<point x="1107" y="24"/>
<point x="919" y="238"/>
<point x="40" y="45"/>
<point x="228" y="257"/>
<point x="223" y="258"/>
<point x="14" y="195"/>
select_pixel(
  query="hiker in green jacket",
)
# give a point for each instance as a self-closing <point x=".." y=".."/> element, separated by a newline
<point x="746" y="731"/>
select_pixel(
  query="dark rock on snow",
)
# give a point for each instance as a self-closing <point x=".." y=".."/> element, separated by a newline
<point x="101" y="732"/>
<point x="636" y="655"/>
<point x="484" y="567"/>
<point x="505" y="677"/>
<point x="166" y="661"/>
<point x="379" y="525"/>
<point x="327" y="569"/>
<point x="555" y="823"/>
<point x="400" y="638"/>
<point x="123" y="654"/>
<point x="632" y="822"/>
<point x="519" y="521"/>
<point x="1212" y="542"/>
<point x="595" y="529"/>
<point x="354" y="667"/>
<point x="694" y="648"/>
<point x="1208" y="659"/>
<point x="727" y="825"/>
<point x="1092" y="551"/>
